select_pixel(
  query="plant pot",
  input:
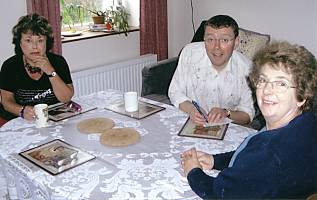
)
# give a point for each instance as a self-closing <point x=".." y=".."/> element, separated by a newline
<point x="98" y="19"/>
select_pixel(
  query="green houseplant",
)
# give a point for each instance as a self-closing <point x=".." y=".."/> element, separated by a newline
<point x="119" y="19"/>
<point x="72" y="14"/>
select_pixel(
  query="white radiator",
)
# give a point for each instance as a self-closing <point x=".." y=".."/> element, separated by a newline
<point x="123" y="76"/>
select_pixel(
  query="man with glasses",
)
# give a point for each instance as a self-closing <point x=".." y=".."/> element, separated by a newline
<point x="213" y="74"/>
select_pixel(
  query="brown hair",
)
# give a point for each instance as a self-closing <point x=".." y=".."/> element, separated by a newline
<point x="293" y="59"/>
<point x="223" y="21"/>
<point x="35" y="23"/>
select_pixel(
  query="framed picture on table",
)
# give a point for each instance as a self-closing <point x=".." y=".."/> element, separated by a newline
<point x="145" y="110"/>
<point x="56" y="156"/>
<point x="190" y="129"/>
<point x="61" y="111"/>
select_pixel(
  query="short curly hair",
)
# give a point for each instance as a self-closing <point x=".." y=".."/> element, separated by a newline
<point x="293" y="59"/>
<point x="35" y="23"/>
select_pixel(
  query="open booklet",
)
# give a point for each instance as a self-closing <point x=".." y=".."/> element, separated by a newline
<point x="60" y="111"/>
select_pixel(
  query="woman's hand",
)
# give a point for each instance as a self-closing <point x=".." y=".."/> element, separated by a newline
<point x="205" y="160"/>
<point x="42" y="62"/>
<point x="189" y="161"/>
<point x="10" y="105"/>
<point x="28" y="113"/>
<point x="63" y="92"/>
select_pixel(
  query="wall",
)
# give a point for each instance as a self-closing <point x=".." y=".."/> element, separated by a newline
<point x="9" y="15"/>
<point x="80" y="54"/>
<point x="99" y="51"/>
<point x="282" y="19"/>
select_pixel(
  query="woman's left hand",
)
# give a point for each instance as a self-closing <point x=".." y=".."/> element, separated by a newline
<point x="189" y="161"/>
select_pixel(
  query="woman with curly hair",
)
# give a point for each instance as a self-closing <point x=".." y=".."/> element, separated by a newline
<point x="280" y="161"/>
<point x="33" y="75"/>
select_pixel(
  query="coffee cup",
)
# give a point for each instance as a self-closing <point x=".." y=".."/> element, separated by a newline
<point x="41" y="115"/>
<point x="131" y="103"/>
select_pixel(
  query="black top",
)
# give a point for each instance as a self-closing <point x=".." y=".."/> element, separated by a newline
<point x="14" y="78"/>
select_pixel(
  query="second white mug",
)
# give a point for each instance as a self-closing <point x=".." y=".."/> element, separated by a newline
<point x="131" y="103"/>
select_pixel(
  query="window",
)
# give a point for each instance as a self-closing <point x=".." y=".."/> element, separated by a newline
<point x="77" y="14"/>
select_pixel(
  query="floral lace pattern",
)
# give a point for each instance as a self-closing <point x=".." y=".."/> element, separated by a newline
<point x="149" y="169"/>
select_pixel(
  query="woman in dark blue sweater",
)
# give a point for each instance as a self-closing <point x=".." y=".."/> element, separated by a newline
<point x="280" y="161"/>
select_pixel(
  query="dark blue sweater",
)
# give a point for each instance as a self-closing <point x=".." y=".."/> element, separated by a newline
<point x="280" y="163"/>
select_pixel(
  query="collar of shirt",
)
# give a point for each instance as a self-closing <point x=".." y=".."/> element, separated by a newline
<point x="226" y="69"/>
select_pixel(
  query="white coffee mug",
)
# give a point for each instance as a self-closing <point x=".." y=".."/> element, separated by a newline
<point x="131" y="103"/>
<point x="41" y="115"/>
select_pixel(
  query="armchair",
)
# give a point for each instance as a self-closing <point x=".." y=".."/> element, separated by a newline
<point x="157" y="77"/>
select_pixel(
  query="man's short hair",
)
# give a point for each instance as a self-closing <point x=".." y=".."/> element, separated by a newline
<point x="223" y="21"/>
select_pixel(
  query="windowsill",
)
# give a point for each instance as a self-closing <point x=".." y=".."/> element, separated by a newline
<point x="89" y="35"/>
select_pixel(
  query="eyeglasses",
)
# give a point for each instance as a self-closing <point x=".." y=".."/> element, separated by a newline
<point x="222" y="41"/>
<point x="277" y="86"/>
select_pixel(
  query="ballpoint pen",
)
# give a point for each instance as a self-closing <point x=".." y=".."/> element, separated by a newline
<point x="199" y="110"/>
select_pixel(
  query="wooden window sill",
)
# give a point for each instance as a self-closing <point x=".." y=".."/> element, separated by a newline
<point x="89" y="35"/>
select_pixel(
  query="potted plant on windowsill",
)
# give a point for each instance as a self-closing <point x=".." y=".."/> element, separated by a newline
<point x="119" y="19"/>
<point x="99" y="16"/>
<point x="72" y="14"/>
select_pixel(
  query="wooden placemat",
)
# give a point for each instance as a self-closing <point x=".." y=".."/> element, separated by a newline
<point x="95" y="125"/>
<point x="119" y="137"/>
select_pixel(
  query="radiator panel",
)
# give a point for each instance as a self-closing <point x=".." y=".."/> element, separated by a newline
<point x="124" y="76"/>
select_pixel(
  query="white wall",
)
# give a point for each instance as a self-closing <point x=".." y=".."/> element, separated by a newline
<point x="80" y="54"/>
<point x="10" y="12"/>
<point x="282" y="19"/>
<point x="98" y="51"/>
<point x="294" y="21"/>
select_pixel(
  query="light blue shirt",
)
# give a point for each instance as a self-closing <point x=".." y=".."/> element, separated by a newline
<point x="243" y="145"/>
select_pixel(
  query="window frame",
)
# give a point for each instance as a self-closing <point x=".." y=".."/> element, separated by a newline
<point x="87" y="34"/>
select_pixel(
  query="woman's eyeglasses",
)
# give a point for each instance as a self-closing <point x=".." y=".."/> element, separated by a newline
<point x="280" y="86"/>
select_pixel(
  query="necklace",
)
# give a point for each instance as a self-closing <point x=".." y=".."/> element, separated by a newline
<point x="32" y="69"/>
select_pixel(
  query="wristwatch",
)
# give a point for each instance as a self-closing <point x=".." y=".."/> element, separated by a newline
<point x="52" y="74"/>
<point x="228" y="112"/>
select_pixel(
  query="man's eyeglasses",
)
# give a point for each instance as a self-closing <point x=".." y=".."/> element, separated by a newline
<point x="222" y="41"/>
<point x="277" y="86"/>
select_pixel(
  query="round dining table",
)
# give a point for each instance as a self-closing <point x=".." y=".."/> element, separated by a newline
<point x="148" y="169"/>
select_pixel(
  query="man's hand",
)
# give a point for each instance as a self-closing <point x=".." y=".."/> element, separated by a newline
<point x="217" y="115"/>
<point x="196" y="117"/>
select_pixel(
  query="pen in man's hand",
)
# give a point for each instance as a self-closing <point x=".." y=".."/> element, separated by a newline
<point x="199" y="110"/>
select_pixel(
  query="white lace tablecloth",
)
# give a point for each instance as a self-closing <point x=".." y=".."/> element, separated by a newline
<point x="149" y="169"/>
